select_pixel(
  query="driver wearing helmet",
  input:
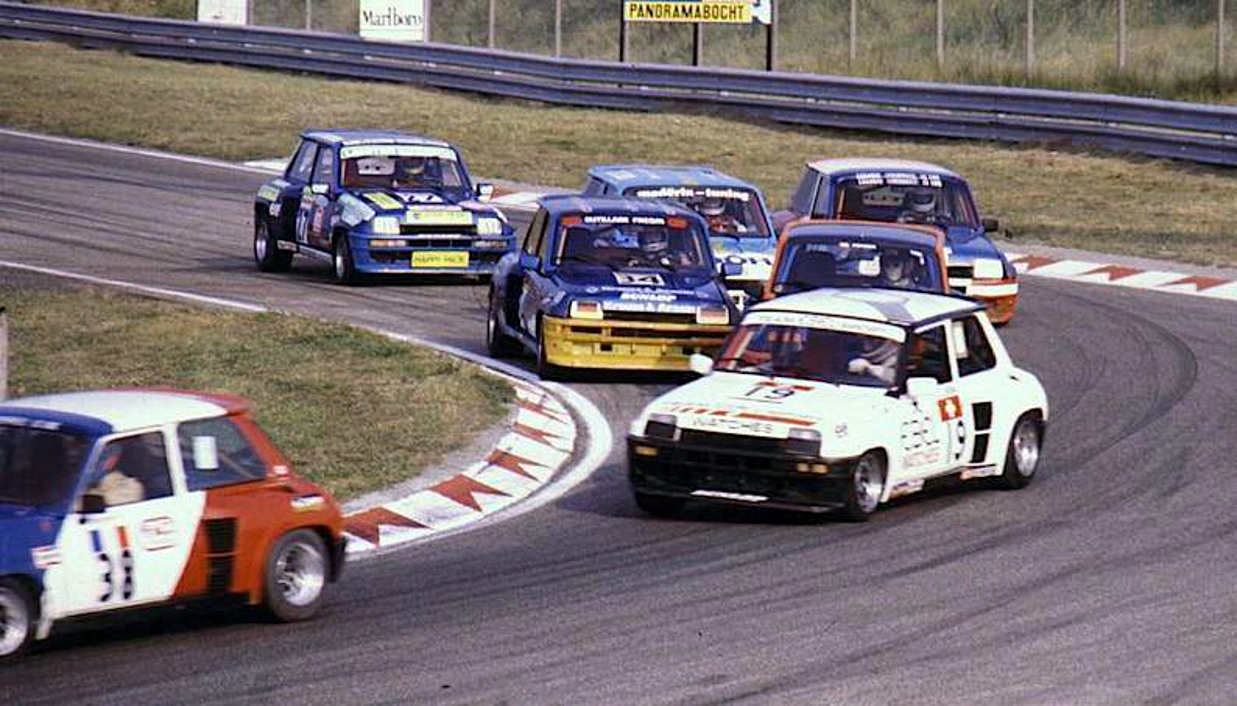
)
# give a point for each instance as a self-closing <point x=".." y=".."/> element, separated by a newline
<point x="414" y="172"/>
<point x="655" y="249"/>
<point x="714" y="213"/>
<point x="918" y="206"/>
<point x="897" y="269"/>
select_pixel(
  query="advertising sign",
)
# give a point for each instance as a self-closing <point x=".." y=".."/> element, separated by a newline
<point x="393" y="20"/>
<point x="719" y="11"/>
<point x="228" y="12"/>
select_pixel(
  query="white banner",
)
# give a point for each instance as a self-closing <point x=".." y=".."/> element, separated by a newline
<point x="393" y="20"/>
<point x="762" y="11"/>
<point x="228" y="12"/>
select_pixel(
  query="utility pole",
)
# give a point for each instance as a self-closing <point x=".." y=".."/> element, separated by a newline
<point x="622" y="33"/>
<point x="854" y="31"/>
<point x="1219" y="40"/>
<point x="489" y="42"/>
<point x="940" y="35"/>
<point x="429" y="4"/>
<point x="771" y="44"/>
<point x="309" y="14"/>
<point x="697" y="44"/>
<point x="558" y="28"/>
<point x="1121" y="35"/>
<point x="4" y="355"/>
<point x="1030" y="48"/>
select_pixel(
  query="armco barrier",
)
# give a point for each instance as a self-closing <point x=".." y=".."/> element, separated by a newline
<point x="1194" y="132"/>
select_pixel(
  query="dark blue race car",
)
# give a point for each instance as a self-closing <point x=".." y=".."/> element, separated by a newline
<point x="899" y="191"/>
<point x="378" y="203"/>
<point x="610" y="283"/>
<point x="740" y="230"/>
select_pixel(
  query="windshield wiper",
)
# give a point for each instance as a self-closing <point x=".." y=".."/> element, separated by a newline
<point x="585" y="260"/>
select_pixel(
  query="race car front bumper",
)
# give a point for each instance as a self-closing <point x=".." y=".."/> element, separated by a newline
<point x="628" y="345"/>
<point x="738" y="470"/>
<point x="999" y="295"/>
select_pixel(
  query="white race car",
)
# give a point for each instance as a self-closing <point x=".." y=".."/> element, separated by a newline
<point x="840" y="400"/>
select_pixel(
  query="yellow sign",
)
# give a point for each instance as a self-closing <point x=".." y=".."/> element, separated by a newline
<point x="440" y="258"/>
<point x="438" y="218"/>
<point x="729" y="11"/>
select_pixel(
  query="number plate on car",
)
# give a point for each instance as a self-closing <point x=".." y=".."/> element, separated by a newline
<point x="440" y="258"/>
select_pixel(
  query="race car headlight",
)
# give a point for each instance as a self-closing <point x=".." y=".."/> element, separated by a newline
<point x="586" y="309"/>
<point x="385" y="225"/>
<point x="489" y="226"/>
<point x="803" y="441"/>
<point x="660" y="426"/>
<point x="717" y="315"/>
<point x="498" y="244"/>
<point x="987" y="268"/>
<point x="387" y="243"/>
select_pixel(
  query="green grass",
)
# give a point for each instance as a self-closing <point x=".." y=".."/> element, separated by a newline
<point x="1100" y="202"/>
<point x="1170" y="43"/>
<point x="362" y="413"/>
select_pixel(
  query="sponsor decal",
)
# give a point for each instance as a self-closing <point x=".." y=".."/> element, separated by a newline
<point x="157" y="533"/>
<point x="979" y="472"/>
<point x="828" y="323"/>
<point x="897" y="179"/>
<point x="735" y="421"/>
<point x="906" y="488"/>
<point x="268" y="193"/>
<point x="44" y="557"/>
<point x="689" y="192"/>
<point x="640" y="279"/>
<point x="396" y="150"/>
<point x="742" y="497"/>
<point x="950" y="408"/>
<point x="775" y="392"/>
<point x="384" y="201"/>
<point x="436" y="217"/>
<point x="623" y="220"/>
<point x="648" y="296"/>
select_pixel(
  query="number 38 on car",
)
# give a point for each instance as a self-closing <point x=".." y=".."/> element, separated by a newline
<point x="840" y="400"/>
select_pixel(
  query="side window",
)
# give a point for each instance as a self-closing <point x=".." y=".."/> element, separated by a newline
<point x="324" y="168"/>
<point x="215" y="452"/>
<point x="971" y="347"/>
<point x="927" y="355"/>
<point x="544" y="242"/>
<point x="303" y="162"/>
<point x="821" y="207"/>
<point x="132" y="469"/>
<point x="534" y="230"/>
<point x="801" y="202"/>
<point x="594" y="187"/>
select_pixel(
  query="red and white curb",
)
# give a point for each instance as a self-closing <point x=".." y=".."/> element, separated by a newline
<point x="1123" y="276"/>
<point x="541" y="440"/>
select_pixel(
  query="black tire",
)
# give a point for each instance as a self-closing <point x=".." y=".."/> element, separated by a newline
<point x="342" y="266"/>
<point x="499" y="344"/>
<point x="18" y="618"/>
<point x="295" y="575"/>
<point x="1022" y="454"/>
<point x="658" y="505"/>
<point x="266" y="252"/>
<point x="865" y="487"/>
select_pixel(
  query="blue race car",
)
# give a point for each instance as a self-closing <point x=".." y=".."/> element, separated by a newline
<point x="614" y="283"/>
<point x="898" y="191"/>
<point x="378" y="203"/>
<point x="739" y="226"/>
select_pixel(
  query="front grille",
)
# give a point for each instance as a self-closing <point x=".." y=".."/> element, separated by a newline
<point x="983" y="415"/>
<point x="415" y="229"/>
<point x="652" y="318"/>
<point x="220" y="536"/>
<point x="219" y="575"/>
<point x="735" y="473"/>
<point x="441" y="243"/>
<point x="961" y="271"/>
<point x="732" y="442"/>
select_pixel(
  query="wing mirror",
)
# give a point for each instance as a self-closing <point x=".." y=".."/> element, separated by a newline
<point x="320" y="188"/>
<point x="921" y="388"/>
<point x="485" y="192"/>
<point x="700" y="364"/>
<point x="990" y="225"/>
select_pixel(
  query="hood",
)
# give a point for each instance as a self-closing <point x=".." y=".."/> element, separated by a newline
<point x="691" y="287"/>
<point x="396" y="202"/>
<point x="964" y="249"/>
<point x="753" y="255"/>
<point x="771" y="406"/>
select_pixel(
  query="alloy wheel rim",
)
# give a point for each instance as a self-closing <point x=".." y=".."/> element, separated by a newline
<point x="259" y="243"/>
<point x="14" y="623"/>
<point x="340" y="267"/>
<point x="300" y="573"/>
<point x="1026" y="449"/>
<point x="867" y="485"/>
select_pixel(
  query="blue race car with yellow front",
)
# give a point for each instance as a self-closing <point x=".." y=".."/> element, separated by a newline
<point x="378" y="203"/>
<point x="617" y="283"/>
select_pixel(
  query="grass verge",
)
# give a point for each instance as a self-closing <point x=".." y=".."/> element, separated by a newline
<point x="352" y="410"/>
<point x="1103" y="202"/>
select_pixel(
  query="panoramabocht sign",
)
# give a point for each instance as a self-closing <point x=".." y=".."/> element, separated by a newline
<point x="727" y="11"/>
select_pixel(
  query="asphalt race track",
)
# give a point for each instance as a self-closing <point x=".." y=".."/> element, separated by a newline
<point x="1109" y="580"/>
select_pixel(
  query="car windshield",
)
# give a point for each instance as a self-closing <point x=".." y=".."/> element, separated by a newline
<point x="808" y="346"/>
<point x="403" y="168"/>
<point x="728" y="211"/>
<point x="623" y="241"/>
<point x="38" y="466"/>
<point x="808" y="263"/>
<point x="894" y="197"/>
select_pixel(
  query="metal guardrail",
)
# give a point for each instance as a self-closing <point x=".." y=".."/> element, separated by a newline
<point x="1174" y="129"/>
